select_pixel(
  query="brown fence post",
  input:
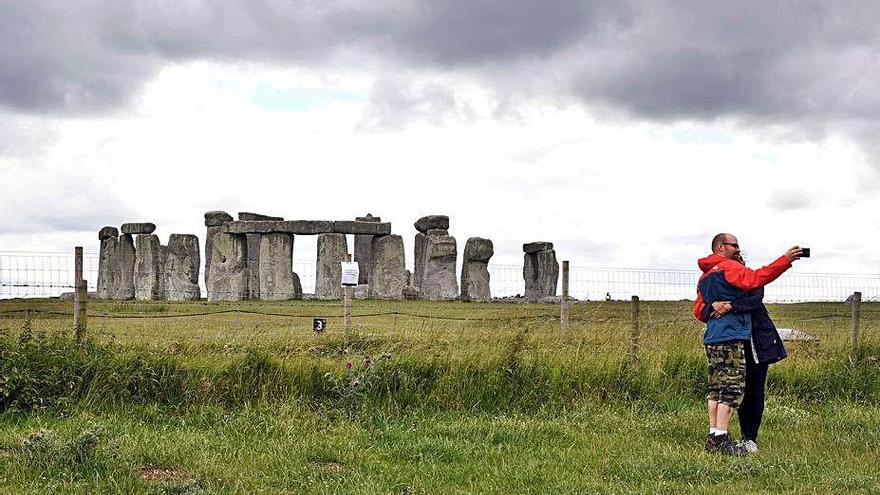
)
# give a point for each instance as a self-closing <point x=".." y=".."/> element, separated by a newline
<point x="346" y="304"/>
<point x="563" y="308"/>
<point x="79" y="295"/>
<point x="634" y="333"/>
<point x="854" y="335"/>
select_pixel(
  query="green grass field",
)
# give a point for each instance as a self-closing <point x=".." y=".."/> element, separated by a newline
<point x="418" y="398"/>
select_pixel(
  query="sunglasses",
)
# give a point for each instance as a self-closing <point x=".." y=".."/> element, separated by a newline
<point x="733" y="244"/>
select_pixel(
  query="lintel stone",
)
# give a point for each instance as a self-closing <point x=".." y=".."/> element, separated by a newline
<point x="138" y="228"/>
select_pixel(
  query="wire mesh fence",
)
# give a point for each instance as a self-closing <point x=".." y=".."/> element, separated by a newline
<point x="49" y="274"/>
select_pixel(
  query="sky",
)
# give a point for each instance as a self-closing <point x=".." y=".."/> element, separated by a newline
<point x="627" y="133"/>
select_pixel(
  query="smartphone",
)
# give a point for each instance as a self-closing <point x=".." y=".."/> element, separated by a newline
<point x="805" y="252"/>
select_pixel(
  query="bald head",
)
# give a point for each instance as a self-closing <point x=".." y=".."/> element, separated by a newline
<point x="726" y="245"/>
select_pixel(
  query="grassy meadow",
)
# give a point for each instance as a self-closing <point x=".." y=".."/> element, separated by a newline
<point x="419" y="397"/>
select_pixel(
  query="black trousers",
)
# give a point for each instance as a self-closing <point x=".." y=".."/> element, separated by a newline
<point x="752" y="408"/>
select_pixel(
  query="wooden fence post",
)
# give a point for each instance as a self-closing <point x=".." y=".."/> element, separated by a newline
<point x="634" y="333"/>
<point x="346" y="304"/>
<point x="79" y="295"/>
<point x="563" y="308"/>
<point x="854" y="335"/>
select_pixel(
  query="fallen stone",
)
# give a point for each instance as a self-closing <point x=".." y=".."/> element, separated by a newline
<point x="181" y="268"/>
<point x="107" y="232"/>
<point x="534" y="247"/>
<point x="228" y="261"/>
<point x="362" y="228"/>
<point x="475" y="270"/>
<point x="125" y="260"/>
<point x="148" y="276"/>
<point x="429" y="222"/>
<point x="217" y="218"/>
<point x="332" y="251"/>
<point x="108" y="268"/>
<point x="387" y="266"/>
<point x="439" y="281"/>
<point x="276" y="267"/>
<point x="304" y="227"/>
<point x="793" y="334"/>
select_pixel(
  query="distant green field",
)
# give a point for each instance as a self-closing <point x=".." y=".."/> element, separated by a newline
<point x="419" y="397"/>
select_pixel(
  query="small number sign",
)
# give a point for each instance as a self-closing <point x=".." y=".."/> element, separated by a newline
<point x="319" y="324"/>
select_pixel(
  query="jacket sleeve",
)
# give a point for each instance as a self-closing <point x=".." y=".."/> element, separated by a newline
<point x="699" y="308"/>
<point x="752" y="301"/>
<point x="745" y="278"/>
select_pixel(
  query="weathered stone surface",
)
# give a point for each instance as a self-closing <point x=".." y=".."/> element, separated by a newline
<point x="387" y="266"/>
<point x="475" y="270"/>
<point x="332" y="250"/>
<point x="181" y="268"/>
<point x="431" y="232"/>
<point x="250" y="227"/>
<point x="246" y="216"/>
<point x="363" y="228"/>
<point x="125" y="258"/>
<point x="297" y="287"/>
<point x="410" y="293"/>
<point x="418" y="260"/>
<point x="276" y="267"/>
<point x="148" y="276"/>
<point x="407" y="276"/>
<point x="228" y="260"/>
<point x="214" y="221"/>
<point x="362" y="291"/>
<point x="541" y="274"/>
<point x="534" y="247"/>
<point x="107" y="232"/>
<point x="217" y="218"/>
<point x="362" y="244"/>
<point x="138" y="228"/>
<point x="439" y="282"/>
<point x="478" y="249"/>
<point x="108" y="268"/>
<point x="304" y="227"/>
<point x="429" y="222"/>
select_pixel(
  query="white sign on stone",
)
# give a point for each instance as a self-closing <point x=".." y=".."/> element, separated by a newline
<point x="350" y="272"/>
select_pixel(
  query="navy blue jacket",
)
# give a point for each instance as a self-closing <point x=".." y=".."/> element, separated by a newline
<point x="766" y="343"/>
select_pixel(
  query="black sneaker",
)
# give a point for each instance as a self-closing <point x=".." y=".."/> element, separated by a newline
<point x="711" y="443"/>
<point x="724" y="446"/>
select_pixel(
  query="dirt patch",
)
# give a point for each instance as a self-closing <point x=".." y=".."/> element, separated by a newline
<point x="157" y="473"/>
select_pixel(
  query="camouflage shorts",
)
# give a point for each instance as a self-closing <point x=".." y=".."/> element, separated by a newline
<point x="727" y="372"/>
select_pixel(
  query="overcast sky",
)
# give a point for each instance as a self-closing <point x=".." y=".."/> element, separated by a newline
<point x="626" y="132"/>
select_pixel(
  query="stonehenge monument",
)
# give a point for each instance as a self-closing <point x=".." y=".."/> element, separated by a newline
<point x="362" y="250"/>
<point x="123" y="287"/>
<point x="540" y="270"/>
<point x="332" y="251"/>
<point x="252" y="266"/>
<point x="475" y="270"/>
<point x="148" y="277"/>
<point x="228" y="280"/>
<point x="181" y="268"/>
<point x="387" y="265"/>
<point x="275" y="262"/>
<point x="435" y="256"/>
<point x="214" y="222"/>
<point x="108" y="264"/>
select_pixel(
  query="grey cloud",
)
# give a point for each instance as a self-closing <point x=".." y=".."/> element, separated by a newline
<point x="789" y="200"/>
<point x="395" y="103"/>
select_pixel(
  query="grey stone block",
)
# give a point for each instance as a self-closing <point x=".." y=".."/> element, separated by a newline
<point x="217" y="218"/>
<point x="418" y="260"/>
<point x="181" y="268"/>
<point x="439" y="282"/>
<point x="475" y="270"/>
<point x="250" y="227"/>
<point x="387" y="266"/>
<point x="478" y="249"/>
<point x="148" y="276"/>
<point x="297" y="287"/>
<point x="541" y="275"/>
<point x="228" y="260"/>
<point x="362" y="291"/>
<point x="435" y="232"/>
<point x="138" y="228"/>
<point x="429" y="222"/>
<point x="332" y="250"/>
<point x="363" y="228"/>
<point x="125" y="259"/>
<point x="304" y="227"/>
<point x="276" y="267"/>
<point x="362" y="244"/>
<point x="107" y="232"/>
<point x="108" y="268"/>
<point x="246" y="216"/>
<point x="534" y="247"/>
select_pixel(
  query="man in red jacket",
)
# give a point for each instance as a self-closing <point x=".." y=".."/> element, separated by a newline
<point x="725" y="279"/>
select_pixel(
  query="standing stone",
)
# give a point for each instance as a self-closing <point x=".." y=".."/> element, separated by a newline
<point x="181" y="268"/>
<point x="214" y="221"/>
<point x="387" y="266"/>
<point x="148" y="276"/>
<point x="439" y="282"/>
<point x="276" y="267"/>
<point x="418" y="261"/>
<point x="252" y="267"/>
<point x="475" y="270"/>
<point x="362" y="244"/>
<point x="540" y="271"/>
<point x="297" y="287"/>
<point x="125" y="259"/>
<point x="332" y="250"/>
<point x="107" y="263"/>
<point x="228" y="261"/>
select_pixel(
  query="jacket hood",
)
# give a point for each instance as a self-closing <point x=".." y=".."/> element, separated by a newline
<point x="708" y="262"/>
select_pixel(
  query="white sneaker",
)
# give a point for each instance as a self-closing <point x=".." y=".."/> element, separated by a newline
<point x="749" y="445"/>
